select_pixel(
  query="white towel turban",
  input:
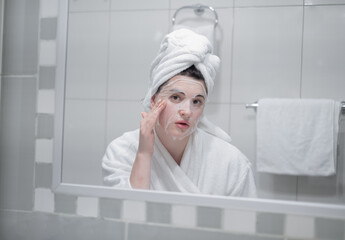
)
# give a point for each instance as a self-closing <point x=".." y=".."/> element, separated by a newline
<point x="178" y="51"/>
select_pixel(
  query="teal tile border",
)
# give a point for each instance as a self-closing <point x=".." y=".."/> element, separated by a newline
<point x="43" y="175"/>
<point x="209" y="217"/>
<point x="158" y="212"/>
<point x="270" y="223"/>
<point x="47" y="77"/>
<point x="65" y="204"/>
<point x="331" y="229"/>
<point x="45" y="126"/>
<point x="110" y="208"/>
<point x="48" y="28"/>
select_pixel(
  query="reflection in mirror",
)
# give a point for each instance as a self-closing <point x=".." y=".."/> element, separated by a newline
<point x="191" y="154"/>
<point x="106" y="69"/>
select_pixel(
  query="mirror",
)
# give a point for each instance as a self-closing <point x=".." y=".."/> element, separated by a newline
<point x="103" y="61"/>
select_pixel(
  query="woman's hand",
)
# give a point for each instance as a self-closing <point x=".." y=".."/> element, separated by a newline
<point x="147" y="124"/>
<point x="141" y="170"/>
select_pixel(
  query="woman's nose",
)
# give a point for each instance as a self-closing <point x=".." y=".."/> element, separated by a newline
<point x="185" y="109"/>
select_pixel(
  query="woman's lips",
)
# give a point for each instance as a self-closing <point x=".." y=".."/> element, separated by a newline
<point x="182" y="124"/>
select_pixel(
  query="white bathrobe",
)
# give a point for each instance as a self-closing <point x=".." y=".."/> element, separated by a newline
<point x="209" y="165"/>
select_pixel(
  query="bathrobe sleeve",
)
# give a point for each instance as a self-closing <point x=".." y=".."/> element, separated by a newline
<point x="118" y="160"/>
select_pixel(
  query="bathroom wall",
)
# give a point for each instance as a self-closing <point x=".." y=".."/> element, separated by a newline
<point x="270" y="49"/>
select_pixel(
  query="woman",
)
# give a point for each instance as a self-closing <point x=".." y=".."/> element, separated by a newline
<point x="176" y="148"/>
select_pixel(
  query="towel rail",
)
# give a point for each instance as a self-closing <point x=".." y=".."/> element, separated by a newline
<point x="255" y="105"/>
<point x="198" y="10"/>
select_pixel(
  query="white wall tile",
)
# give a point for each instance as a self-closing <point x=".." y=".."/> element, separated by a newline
<point x="324" y="53"/>
<point x="219" y="114"/>
<point x="44" y="200"/>
<point x="122" y="117"/>
<point x="272" y="186"/>
<point x="87" y="55"/>
<point x="134" y="210"/>
<point x="49" y="8"/>
<point x="47" y="55"/>
<point x="223" y="49"/>
<point x="309" y="189"/>
<point x="130" y="59"/>
<point x="299" y="226"/>
<point x="183" y="215"/>
<point x="46" y="101"/>
<point x="267" y="53"/>
<point x="44" y="151"/>
<point x="89" y="5"/>
<point x="260" y="3"/>
<point x="239" y="221"/>
<point x="243" y="130"/>
<point x="87" y="206"/>
<point x="135" y="5"/>
<point x="212" y="3"/>
<point x="84" y="136"/>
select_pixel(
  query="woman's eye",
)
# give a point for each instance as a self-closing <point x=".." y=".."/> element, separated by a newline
<point x="175" y="97"/>
<point x="198" y="102"/>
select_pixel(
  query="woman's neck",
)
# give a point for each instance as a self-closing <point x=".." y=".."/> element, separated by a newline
<point x="175" y="147"/>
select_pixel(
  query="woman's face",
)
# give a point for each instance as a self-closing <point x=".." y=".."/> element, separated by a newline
<point x="185" y="99"/>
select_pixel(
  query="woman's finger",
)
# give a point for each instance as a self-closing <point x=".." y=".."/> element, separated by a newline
<point x="157" y="110"/>
<point x="150" y="118"/>
<point x="143" y="114"/>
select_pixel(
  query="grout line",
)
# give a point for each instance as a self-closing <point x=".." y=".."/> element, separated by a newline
<point x="107" y="80"/>
<point x="36" y="107"/>
<point x="20" y="76"/>
<point x="302" y="44"/>
<point x="232" y="65"/>
<point x="126" y="230"/>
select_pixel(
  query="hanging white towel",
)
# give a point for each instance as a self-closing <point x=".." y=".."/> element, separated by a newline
<point x="297" y="136"/>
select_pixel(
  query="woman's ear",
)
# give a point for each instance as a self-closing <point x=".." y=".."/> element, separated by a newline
<point x="153" y="98"/>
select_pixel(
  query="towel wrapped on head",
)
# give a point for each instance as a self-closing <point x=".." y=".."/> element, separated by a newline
<point x="178" y="51"/>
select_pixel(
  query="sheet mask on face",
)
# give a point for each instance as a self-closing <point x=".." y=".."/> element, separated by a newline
<point x="185" y="99"/>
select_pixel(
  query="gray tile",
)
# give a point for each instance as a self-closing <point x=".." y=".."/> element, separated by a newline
<point x="43" y="175"/>
<point x="47" y="77"/>
<point x="158" y="212"/>
<point x="17" y="143"/>
<point x="110" y="208"/>
<point x="209" y="217"/>
<point x="331" y="229"/>
<point x="150" y="232"/>
<point x="39" y="226"/>
<point x="271" y="223"/>
<point x="65" y="203"/>
<point x="20" y="43"/>
<point x="45" y="126"/>
<point x="48" y="28"/>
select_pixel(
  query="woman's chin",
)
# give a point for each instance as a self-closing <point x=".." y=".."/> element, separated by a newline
<point x="179" y="134"/>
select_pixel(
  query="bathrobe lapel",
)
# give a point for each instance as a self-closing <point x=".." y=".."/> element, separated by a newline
<point x="167" y="175"/>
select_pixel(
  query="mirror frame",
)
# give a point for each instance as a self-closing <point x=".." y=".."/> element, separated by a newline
<point x="258" y="205"/>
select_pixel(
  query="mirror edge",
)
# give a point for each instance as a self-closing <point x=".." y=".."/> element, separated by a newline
<point x="257" y="205"/>
<point x="61" y="54"/>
